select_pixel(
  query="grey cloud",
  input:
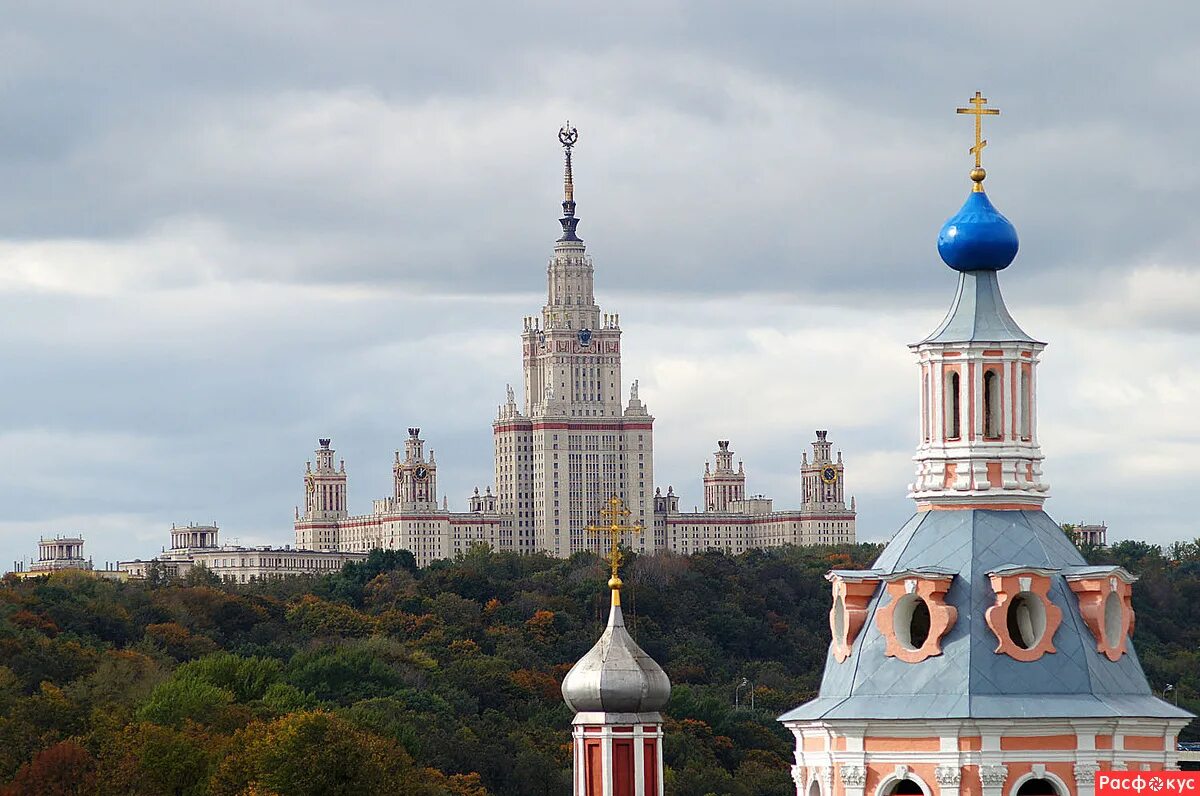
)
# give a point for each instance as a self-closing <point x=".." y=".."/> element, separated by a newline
<point x="227" y="228"/>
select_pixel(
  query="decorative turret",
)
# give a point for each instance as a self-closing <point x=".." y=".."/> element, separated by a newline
<point x="324" y="487"/>
<point x="617" y="691"/>
<point x="723" y="485"/>
<point x="415" y="476"/>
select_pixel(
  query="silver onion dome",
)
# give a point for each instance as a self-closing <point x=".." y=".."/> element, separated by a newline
<point x="616" y="675"/>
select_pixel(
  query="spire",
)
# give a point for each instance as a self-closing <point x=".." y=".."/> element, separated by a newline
<point x="568" y="136"/>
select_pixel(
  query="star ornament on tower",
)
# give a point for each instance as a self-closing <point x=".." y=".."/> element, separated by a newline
<point x="615" y="525"/>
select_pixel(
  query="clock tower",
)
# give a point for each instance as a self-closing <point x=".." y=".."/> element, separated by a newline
<point x="415" y="477"/>
<point x="822" y="477"/>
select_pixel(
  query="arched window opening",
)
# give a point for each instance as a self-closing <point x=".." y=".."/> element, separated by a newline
<point x="814" y="789"/>
<point x="912" y="621"/>
<point x="1037" y="787"/>
<point x="1026" y="420"/>
<point x="952" y="403"/>
<point x="991" y="405"/>
<point x="905" y="787"/>
<point x="1026" y="620"/>
<point x="1114" y="616"/>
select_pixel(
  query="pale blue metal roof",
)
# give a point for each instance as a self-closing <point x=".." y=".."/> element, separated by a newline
<point x="969" y="679"/>
<point x="978" y="314"/>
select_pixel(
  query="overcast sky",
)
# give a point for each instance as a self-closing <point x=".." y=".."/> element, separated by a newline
<point x="228" y="228"/>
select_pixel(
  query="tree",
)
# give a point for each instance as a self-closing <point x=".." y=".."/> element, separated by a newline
<point x="201" y="575"/>
<point x="317" y="754"/>
<point x="64" y="769"/>
<point x="184" y="698"/>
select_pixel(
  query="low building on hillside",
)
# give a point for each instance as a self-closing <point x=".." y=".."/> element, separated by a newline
<point x="1095" y="535"/>
<point x="200" y="545"/>
<point x="62" y="554"/>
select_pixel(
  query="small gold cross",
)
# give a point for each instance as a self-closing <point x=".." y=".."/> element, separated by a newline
<point x="615" y="514"/>
<point x="979" y="111"/>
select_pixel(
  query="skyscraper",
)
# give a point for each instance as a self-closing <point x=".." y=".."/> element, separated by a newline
<point x="574" y="442"/>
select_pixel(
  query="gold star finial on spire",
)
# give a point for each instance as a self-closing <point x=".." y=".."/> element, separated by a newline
<point x="568" y="136"/>
<point x="616" y="528"/>
<point x="978" y="110"/>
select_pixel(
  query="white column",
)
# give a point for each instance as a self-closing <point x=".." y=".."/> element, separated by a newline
<point x="639" y="760"/>
<point x="580" y="761"/>
<point x="606" y="752"/>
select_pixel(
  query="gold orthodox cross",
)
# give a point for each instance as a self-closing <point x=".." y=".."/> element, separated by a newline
<point x="978" y="110"/>
<point x="615" y="516"/>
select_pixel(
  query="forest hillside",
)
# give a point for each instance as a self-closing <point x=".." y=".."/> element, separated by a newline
<point x="442" y="681"/>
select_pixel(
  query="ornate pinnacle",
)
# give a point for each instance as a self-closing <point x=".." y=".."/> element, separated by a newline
<point x="568" y="136"/>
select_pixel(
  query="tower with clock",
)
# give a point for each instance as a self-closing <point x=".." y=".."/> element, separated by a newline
<point x="415" y="478"/>
<point x="574" y="442"/>
<point x="821" y="477"/>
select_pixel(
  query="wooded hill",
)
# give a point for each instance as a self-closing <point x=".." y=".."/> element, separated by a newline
<point x="444" y="681"/>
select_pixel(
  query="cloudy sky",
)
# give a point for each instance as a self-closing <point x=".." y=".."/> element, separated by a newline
<point x="228" y="228"/>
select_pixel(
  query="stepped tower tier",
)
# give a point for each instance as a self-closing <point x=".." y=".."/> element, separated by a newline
<point x="573" y="440"/>
<point x="980" y="653"/>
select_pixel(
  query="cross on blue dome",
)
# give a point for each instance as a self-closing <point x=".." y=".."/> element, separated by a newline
<point x="978" y="237"/>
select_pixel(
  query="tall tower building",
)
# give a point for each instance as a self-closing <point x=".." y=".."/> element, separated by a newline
<point x="980" y="654"/>
<point x="574" y="442"/>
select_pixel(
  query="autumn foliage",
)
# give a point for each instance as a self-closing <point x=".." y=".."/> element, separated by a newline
<point x="438" y="682"/>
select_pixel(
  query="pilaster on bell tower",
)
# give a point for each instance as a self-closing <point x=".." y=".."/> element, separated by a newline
<point x="415" y="477"/>
<point x="979" y="445"/>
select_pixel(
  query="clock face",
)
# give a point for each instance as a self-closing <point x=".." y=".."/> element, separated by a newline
<point x="421" y="473"/>
<point x="585" y="336"/>
<point x="828" y="475"/>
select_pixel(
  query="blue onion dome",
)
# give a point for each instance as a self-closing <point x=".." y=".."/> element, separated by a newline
<point x="978" y="237"/>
